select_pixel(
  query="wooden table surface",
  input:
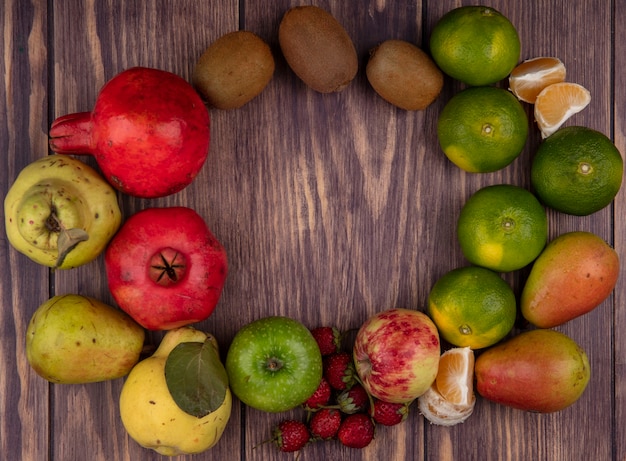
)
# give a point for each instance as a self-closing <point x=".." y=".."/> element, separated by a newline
<point x="331" y="208"/>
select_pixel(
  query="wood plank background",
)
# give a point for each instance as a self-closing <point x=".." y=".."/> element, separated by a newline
<point x="331" y="208"/>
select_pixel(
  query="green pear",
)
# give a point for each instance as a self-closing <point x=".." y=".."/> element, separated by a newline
<point x="60" y="212"/>
<point x="538" y="370"/>
<point x="74" y="339"/>
<point x="153" y="417"/>
<point x="572" y="276"/>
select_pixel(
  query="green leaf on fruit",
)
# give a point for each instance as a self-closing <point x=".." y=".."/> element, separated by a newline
<point x="196" y="378"/>
<point x="67" y="240"/>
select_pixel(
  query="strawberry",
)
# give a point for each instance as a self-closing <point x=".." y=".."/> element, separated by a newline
<point x="291" y="435"/>
<point x="388" y="414"/>
<point x="320" y="397"/>
<point x="353" y="400"/>
<point x="325" y="423"/>
<point x="339" y="370"/>
<point x="328" y="339"/>
<point x="356" y="431"/>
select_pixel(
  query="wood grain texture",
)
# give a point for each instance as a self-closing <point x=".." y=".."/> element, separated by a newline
<point x="618" y="127"/>
<point x="331" y="208"/>
<point x="24" y="397"/>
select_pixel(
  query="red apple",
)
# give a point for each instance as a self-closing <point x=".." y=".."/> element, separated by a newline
<point x="165" y="268"/>
<point x="396" y="354"/>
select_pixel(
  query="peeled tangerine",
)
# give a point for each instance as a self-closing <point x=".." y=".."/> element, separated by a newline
<point x="74" y="339"/>
<point x="152" y="417"/>
<point x="538" y="370"/>
<point x="573" y="275"/>
<point x="450" y="399"/>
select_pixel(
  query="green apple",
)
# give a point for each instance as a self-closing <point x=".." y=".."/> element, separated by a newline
<point x="274" y="364"/>
<point x="60" y="212"/>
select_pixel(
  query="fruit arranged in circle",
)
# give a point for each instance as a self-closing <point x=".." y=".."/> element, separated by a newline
<point x="556" y="103"/>
<point x="404" y="75"/>
<point x="233" y="70"/>
<point x="533" y="75"/>
<point x="274" y="364"/>
<point x="482" y="129"/>
<point x="317" y="48"/>
<point x="577" y="171"/>
<point x="472" y="307"/>
<point x="537" y="370"/>
<point x="573" y="275"/>
<point x="451" y="399"/>
<point x="475" y="44"/>
<point x="502" y="227"/>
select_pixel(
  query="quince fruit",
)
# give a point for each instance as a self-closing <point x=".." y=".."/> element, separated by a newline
<point x="148" y="409"/>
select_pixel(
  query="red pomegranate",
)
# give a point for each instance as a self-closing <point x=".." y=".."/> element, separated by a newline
<point x="148" y="131"/>
<point x="165" y="268"/>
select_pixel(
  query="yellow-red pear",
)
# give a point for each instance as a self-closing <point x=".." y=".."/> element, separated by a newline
<point x="573" y="275"/>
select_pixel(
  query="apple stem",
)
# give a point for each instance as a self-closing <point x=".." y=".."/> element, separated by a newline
<point x="274" y="364"/>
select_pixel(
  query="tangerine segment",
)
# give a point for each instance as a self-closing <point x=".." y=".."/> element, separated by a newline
<point x="558" y="102"/>
<point x="455" y="377"/>
<point x="533" y="75"/>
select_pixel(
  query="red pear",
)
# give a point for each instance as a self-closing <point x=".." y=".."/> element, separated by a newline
<point x="573" y="275"/>
<point x="538" y="370"/>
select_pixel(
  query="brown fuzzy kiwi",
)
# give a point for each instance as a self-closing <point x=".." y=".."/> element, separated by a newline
<point x="317" y="48"/>
<point x="233" y="70"/>
<point x="404" y="75"/>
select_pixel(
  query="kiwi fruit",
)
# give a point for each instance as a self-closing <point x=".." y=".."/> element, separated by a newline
<point x="233" y="70"/>
<point x="317" y="48"/>
<point x="404" y="75"/>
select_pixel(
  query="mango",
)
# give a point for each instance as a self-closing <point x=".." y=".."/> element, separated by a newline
<point x="538" y="370"/>
<point x="74" y="339"/>
<point x="573" y="275"/>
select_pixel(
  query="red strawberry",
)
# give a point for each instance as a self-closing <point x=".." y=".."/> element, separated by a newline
<point x="353" y="400"/>
<point x="291" y="435"/>
<point x="389" y="414"/>
<point x="339" y="370"/>
<point x="356" y="431"/>
<point x="325" y="423"/>
<point x="328" y="339"/>
<point x="320" y="397"/>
